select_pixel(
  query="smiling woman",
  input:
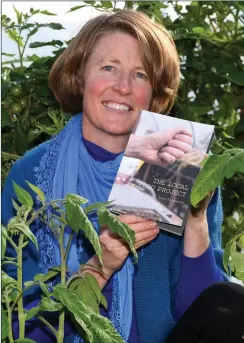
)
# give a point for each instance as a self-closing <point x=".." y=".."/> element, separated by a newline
<point x="117" y="65"/>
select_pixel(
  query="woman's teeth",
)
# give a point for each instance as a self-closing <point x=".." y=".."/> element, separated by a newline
<point x="116" y="106"/>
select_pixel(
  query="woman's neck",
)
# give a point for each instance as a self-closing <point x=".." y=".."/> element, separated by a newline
<point x="112" y="143"/>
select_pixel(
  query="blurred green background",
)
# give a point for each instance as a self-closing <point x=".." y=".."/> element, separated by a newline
<point x="210" y="40"/>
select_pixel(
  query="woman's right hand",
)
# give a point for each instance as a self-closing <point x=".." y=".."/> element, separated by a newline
<point x="116" y="250"/>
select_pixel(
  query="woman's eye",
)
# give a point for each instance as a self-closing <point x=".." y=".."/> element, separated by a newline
<point x="108" y="68"/>
<point x="141" y="75"/>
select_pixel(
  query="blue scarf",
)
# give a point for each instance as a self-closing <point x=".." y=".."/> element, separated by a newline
<point x="77" y="172"/>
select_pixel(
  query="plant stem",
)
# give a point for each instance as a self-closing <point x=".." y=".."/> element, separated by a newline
<point x="20" y="295"/>
<point x="68" y="247"/>
<point x="40" y="211"/>
<point x="48" y="325"/>
<point x="21" y="314"/>
<point x="63" y="281"/>
<point x="10" y="334"/>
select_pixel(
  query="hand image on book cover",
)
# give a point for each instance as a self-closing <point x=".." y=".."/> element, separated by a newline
<point x="161" y="162"/>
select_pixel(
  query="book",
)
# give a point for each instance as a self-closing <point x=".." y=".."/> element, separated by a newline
<point x="160" y="190"/>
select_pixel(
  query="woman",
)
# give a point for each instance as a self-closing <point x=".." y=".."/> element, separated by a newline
<point x="117" y="65"/>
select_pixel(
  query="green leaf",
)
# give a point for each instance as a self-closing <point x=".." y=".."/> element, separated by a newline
<point x="78" y="220"/>
<point x="104" y="302"/>
<point x="29" y="283"/>
<point x="86" y="294"/>
<point x="122" y="229"/>
<point x="4" y="325"/>
<point x="47" y="13"/>
<point x="27" y="232"/>
<point x="236" y="77"/>
<point x="70" y="299"/>
<point x="46" y="304"/>
<point x="41" y="44"/>
<point x="11" y="262"/>
<point x="45" y="290"/>
<point x="76" y="199"/>
<point x="7" y="280"/>
<point x="19" y="15"/>
<point x="33" y="32"/>
<point x="214" y="171"/>
<point x="51" y="273"/>
<point x="15" y="205"/>
<point x="23" y="197"/>
<point x="94" y="286"/>
<point x="97" y="206"/>
<point x="104" y="331"/>
<point x="76" y="8"/>
<point x="6" y="119"/>
<point x="237" y="263"/>
<point x="97" y="328"/>
<point x="3" y="242"/>
<point x="38" y="191"/>
<point x="6" y="54"/>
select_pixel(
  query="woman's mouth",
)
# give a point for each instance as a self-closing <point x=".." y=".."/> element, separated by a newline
<point x="117" y="106"/>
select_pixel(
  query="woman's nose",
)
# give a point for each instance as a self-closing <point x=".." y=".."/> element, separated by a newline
<point x="122" y="84"/>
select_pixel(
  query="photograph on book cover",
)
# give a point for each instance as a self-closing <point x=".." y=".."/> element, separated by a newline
<point x="160" y="190"/>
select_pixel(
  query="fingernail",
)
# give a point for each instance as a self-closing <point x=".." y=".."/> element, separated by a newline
<point x="153" y="225"/>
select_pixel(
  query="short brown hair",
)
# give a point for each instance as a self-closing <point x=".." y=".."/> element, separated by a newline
<point x="158" y="53"/>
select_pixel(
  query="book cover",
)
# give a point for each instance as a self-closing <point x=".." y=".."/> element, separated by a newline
<point x="160" y="189"/>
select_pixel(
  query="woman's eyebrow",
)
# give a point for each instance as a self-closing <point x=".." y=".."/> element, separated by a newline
<point x="116" y="61"/>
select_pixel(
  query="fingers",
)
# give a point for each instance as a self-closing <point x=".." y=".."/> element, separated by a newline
<point x="146" y="235"/>
<point x="147" y="239"/>
<point x="131" y="219"/>
<point x="185" y="147"/>
<point x="170" y="154"/>
<point x="184" y="138"/>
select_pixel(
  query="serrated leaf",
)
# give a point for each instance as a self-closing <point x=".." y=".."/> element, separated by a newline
<point x="3" y="242"/>
<point x="23" y="196"/>
<point x="4" y="325"/>
<point x="122" y="229"/>
<point x="82" y="287"/>
<point x="38" y="191"/>
<point x="97" y="328"/>
<point x="44" y="277"/>
<point x="27" y="232"/>
<point x="78" y="220"/>
<point x="7" y="280"/>
<point x="96" y="206"/>
<point x="214" y="171"/>
<point x="94" y="286"/>
<point x="104" y="331"/>
<point x="70" y="299"/>
<point x="77" y="199"/>
<point x="46" y="304"/>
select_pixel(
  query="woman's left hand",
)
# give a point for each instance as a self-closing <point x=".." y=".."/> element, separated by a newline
<point x="196" y="236"/>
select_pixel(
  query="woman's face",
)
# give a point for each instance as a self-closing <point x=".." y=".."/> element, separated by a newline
<point x="116" y="86"/>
